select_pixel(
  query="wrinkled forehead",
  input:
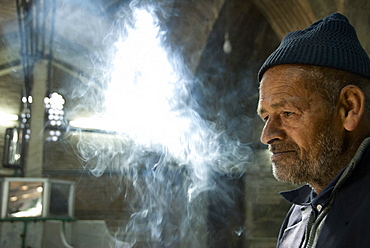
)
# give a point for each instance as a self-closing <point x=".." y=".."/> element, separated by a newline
<point x="285" y="85"/>
<point x="283" y="78"/>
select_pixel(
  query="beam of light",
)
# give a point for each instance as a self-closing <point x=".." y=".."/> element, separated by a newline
<point x="141" y="85"/>
<point x="166" y="151"/>
<point x="137" y="100"/>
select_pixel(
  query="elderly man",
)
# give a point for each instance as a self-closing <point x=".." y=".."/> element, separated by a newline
<point x="315" y="103"/>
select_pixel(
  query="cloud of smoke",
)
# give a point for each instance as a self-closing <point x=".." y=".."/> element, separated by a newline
<point x="153" y="132"/>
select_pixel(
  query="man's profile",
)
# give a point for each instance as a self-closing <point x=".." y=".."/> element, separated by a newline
<point x="315" y="103"/>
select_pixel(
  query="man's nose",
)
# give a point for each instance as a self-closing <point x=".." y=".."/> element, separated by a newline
<point x="272" y="131"/>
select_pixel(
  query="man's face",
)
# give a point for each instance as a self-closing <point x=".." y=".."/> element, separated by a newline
<point x="304" y="137"/>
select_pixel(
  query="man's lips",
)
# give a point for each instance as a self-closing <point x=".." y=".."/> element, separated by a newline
<point x="278" y="154"/>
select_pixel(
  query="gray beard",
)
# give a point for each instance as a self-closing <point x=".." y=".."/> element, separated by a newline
<point x="320" y="166"/>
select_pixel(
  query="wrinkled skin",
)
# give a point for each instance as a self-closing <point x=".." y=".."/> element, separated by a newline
<point x="305" y="138"/>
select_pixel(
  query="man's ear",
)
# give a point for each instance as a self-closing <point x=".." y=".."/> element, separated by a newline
<point x="352" y="106"/>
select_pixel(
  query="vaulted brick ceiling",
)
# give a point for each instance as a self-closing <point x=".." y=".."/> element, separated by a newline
<point x="191" y="22"/>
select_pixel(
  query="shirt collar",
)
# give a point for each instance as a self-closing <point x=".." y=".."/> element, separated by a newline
<point x="306" y="196"/>
<point x="299" y="196"/>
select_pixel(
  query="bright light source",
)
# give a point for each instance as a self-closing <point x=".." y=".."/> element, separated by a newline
<point x="139" y="94"/>
<point x="55" y="114"/>
<point x="7" y="120"/>
<point x="8" y="117"/>
<point x="17" y="156"/>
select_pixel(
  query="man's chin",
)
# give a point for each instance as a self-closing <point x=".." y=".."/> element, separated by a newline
<point x="283" y="174"/>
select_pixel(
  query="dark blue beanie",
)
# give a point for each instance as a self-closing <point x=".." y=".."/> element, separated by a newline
<point x="329" y="42"/>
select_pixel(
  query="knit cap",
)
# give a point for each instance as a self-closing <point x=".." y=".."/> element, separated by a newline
<point x="329" y="42"/>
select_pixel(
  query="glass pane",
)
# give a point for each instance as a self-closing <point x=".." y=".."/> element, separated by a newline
<point x="59" y="199"/>
<point x="25" y="199"/>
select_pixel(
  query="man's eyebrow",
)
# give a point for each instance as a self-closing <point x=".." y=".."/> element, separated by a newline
<point x="280" y="104"/>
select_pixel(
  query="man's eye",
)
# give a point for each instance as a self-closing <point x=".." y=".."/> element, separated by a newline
<point x="265" y="118"/>
<point x="288" y="113"/>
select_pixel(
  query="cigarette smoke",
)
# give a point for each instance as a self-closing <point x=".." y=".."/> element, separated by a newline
<point x="157" y="134"/>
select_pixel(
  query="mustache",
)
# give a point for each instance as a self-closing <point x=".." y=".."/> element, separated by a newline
<point x="283" y="146"/>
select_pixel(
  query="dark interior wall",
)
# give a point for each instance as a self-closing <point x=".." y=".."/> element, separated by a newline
<point x="229" y="98"/>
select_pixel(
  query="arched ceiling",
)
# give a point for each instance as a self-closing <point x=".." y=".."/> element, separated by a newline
<point x="196" y="30"/>
<point x="193" y="21"/>
<point x="288" y="15"/>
